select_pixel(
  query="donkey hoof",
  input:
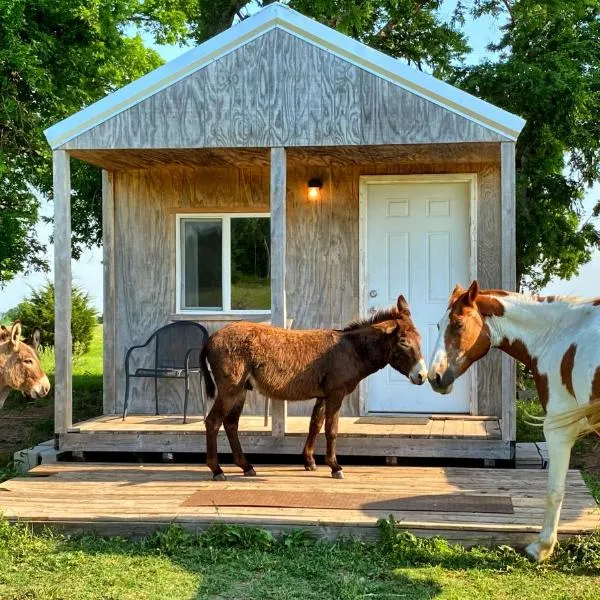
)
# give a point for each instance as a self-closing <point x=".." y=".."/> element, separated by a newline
<point x="337" y="474"/>
<point x="311" y="467"/>
<point x="250" y="472"/>
<point x="219" y="477"/>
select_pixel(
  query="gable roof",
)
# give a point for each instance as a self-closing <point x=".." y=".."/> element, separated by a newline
<point x="274" y="16"/>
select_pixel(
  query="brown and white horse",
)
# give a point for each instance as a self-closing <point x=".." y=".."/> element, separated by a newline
<point x="20" y="367"/>
<point x="558" y="339"/>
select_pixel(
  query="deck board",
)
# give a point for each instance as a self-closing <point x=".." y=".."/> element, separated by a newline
<point x="131" y="499"/>
<point x="417" y="427"/>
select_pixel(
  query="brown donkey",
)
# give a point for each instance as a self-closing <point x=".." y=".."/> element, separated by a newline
<point x="325" y="364"/>
<point x="20" y="367"/>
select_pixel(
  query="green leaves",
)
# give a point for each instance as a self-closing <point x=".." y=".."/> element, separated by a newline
<point x="549" y="73"/>
<point x="57" y="56"/>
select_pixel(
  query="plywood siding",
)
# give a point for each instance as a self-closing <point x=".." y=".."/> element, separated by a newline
<point x="322" y="250"/>
<point x="279" y="90"/>
<point x="145" y="206"/>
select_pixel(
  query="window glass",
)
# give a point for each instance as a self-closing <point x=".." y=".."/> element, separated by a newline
<point x="202" y="241"/>
<point x="250" y="263"/>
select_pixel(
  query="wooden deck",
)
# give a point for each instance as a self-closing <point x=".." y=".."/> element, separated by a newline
<point x="450" y="436"/>
<point x="126" y="499"/>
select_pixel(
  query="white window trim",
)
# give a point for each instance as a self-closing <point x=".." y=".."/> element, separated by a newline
<point x="225" y="263"/>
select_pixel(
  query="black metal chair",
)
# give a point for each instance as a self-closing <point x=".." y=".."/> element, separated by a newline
<point x="177" y="348"/>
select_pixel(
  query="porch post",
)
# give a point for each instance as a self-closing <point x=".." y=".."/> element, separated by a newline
<point x="278" y="301"/>
<point x="63" y="392"/>
<point x="108" y="306"/>
<point x="509" y="279"/>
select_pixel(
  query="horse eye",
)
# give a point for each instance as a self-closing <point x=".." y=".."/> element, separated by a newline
<point x="28" y="361"/>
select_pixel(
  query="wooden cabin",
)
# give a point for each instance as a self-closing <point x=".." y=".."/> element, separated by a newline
<point x="360" y="177"/>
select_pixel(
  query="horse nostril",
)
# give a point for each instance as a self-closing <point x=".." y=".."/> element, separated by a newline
<point x="438" y="380"/>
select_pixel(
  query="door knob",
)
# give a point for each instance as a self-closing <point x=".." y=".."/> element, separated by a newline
<point x="373" y="293"/>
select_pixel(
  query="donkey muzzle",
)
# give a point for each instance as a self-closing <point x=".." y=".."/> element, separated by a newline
<point x="41" y="388"/>
<point x="418" y="374"/>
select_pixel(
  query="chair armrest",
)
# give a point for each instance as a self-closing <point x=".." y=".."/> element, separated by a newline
<point x="129" y="352"/>
<point x="188" y="354"/>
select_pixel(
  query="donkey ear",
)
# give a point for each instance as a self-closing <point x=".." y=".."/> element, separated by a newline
<point x="402" y="305"/>
<point x="15" y="334"/>
<point x="457" y="292"/>
<point x="472" y="293"/>
<point x="36" y="338"/>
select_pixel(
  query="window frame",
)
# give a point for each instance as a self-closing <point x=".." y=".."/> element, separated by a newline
<point x="225" y="218"/>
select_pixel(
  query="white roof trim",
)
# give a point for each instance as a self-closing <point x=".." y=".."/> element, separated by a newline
<point x="279" y="15"/>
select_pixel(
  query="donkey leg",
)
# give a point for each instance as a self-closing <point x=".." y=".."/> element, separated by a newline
<point x="316" y="422"/>
<point x="213" y="424"/>
<point x="231" y="423"/>
<point x="560" y="443"/>
<point x="332" y="413"/>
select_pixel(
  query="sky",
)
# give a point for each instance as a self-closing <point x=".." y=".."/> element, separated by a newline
<point x="87" y="272"/>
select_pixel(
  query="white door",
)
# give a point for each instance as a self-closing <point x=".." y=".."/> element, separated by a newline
<point x="417" y="244"/>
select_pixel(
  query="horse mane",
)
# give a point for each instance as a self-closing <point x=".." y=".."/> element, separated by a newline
<point x="384" y="314"/>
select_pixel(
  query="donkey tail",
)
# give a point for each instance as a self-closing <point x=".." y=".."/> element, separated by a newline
<point x="569" y="418"/>
<point x="209" y="382"/>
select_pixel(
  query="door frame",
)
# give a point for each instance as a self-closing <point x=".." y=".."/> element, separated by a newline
<point x="363" y="182"/>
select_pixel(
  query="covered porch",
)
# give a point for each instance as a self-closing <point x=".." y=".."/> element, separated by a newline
<point x="142" y="189"/>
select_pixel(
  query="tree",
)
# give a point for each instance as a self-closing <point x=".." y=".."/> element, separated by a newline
<point x="413" y="31"/>
<point x="37" y="311"/>
<point x="548" y="71"/>
<point x="57" y="56"/>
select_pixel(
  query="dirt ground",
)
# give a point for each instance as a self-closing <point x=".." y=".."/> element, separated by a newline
<point x="23" y="422"/>
<point x="586" y="455"/>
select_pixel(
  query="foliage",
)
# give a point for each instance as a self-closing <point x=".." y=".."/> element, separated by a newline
<point x="57" y="56"/>
<point x="548" y="71"/>
<point x="38" y="311"/>
<point x="411" y="31"/>
<point x="527" y="428"/>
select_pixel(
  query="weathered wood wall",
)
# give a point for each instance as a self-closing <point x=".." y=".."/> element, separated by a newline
<point x="279" y="90"/>
<point x="322" y="247"/>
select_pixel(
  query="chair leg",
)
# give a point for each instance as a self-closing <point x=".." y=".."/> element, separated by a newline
<point x="267" y="412"/>
<point x="126" y="397"/>
<point x="156" y="394"/>
<point x="186" y="397"/>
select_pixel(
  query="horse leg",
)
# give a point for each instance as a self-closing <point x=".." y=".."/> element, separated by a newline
<point x="213" y="424"/>
<point x="231" y="423"/>
<point x="316" y="422"/>
<point x="560" y="442"/>
<point x="332" y="414"/>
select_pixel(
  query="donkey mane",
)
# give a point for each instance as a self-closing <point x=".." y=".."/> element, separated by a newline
<point x="384" y="314"/>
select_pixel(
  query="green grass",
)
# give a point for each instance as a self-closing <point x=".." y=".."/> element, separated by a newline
<point x="251" y="294"/>
<point x="244" y="563"/>
<point x="527" y="429"/>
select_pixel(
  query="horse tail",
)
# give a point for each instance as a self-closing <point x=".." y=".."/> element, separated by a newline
<point x="570" y="418"/>
<point x="209" y="382"/>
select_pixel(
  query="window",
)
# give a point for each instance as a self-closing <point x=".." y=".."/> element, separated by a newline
<point x="223" y="263"/>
